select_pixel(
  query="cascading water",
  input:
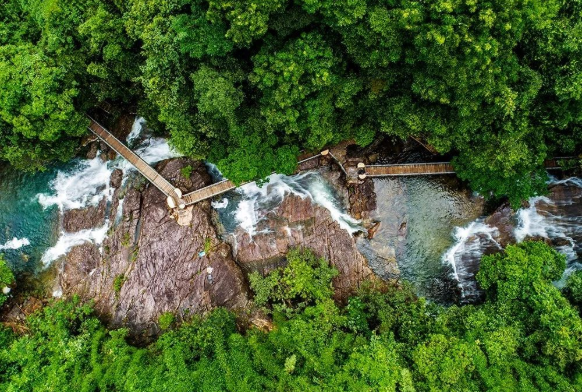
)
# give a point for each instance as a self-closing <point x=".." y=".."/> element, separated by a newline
<point x="30" y="203"/>
<point x="471" y="242"/>
<point x="247" y="206"/>
<point x="556" y="217"/>
<point x="139" y="123"/>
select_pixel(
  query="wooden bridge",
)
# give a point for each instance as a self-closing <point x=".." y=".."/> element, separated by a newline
<point x="209" y="191"/>
<point x="420" y="169"/>
<point x="174" y="196"/>
<point x="408" y="169"/>
<point x="354" y="172"/>
<point x="144" y="168"/>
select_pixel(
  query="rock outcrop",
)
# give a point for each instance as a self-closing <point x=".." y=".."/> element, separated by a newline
<point x="503" y="219"/>
<point x="297" y="222"/>
<point x="149" y="264"/>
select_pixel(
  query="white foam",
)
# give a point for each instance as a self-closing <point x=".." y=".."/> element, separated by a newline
<point x="220" y="204"/>
<point x="258" y="201"/>
<point x="155" y="150"/>
<point x="538" y="222"/>
<point x="15" y="243"/>
<point x="67" y="241"/>
<point x="323" y="197"/>
<point x="136" y="129"/>
<point x="530" y="222"/>
<point x="89" y="181"/>
<point x="87" y="184"/>
<point x="468" y="241"/>
<point x="246" y="216"/>
<point x="574" y="181"/>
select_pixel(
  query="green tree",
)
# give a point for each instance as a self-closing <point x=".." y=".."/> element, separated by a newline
<point x="573" y="289"/>
<point x="6" y="278"/>
<point x="305" y="280"/>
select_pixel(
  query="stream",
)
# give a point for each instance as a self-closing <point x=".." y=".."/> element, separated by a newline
<point x="31" y="236"/>
<point x="431" y="226"/>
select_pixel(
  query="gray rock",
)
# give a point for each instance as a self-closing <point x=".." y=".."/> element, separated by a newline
<point x="116" y="178"/>
<point x="157" y="262"/>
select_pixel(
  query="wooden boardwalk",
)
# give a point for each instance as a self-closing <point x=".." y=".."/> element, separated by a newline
<point x="419" y="169"/>
<point x="144" y="168"/>
<point x="208" y="192"/>
<point x="409" y="169"/>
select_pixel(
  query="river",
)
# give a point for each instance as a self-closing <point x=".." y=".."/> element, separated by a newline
<point x="32" y="237"/>
<point x="431" y="226"/>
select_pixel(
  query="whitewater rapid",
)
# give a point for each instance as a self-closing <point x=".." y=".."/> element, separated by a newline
<point x="249" y="204"/>
<point x="87" y="183"/>
<point x="535" y="220"/>
<point x="15" y="243"/>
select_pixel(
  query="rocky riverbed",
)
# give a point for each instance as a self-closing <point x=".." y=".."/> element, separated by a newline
<point x="118" y="244"/>
<point x="123" y="249"/>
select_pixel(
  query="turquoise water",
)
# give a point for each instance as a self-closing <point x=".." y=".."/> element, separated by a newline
<point x="23" y="217"/>
<point x="31" y="236"/>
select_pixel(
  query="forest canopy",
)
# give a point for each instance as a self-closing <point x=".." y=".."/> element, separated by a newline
<point x="248" y="84"/>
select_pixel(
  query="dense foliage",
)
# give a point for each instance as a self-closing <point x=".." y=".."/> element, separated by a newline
<point x="525" y="337"/>
<point x="6" y="279"/>
<point x="247" y="84"/>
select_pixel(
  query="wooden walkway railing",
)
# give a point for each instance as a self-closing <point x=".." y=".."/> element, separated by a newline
<point x="409" y="169"/>
<point x="144" y="168"/>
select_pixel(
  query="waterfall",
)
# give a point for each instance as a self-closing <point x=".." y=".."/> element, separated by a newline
<point x="87" y="182"/>
<point x="247" y="206"/>
<point x="471" y="242"/>
<point x="556" y="220"/>
<point x="137" y="127"/>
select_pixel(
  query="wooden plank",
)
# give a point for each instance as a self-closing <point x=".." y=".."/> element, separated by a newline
<point x="143" y="168"/>
<point x="409" y="169"/>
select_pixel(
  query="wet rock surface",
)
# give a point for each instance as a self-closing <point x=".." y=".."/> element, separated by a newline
<point x="116" y="178"/>
<point x="362" y="199"/>
<point x="84" y="218"/>
<point x="503" y="219"/>
<point x="297" y="222"/>
<point x="149" y="264"/>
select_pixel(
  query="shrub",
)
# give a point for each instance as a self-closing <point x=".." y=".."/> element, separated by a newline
<point x="6" y="278"/>
<point x="118" y="283"/>
<point x="165" y="320"/>
<point x="186" y="172"/>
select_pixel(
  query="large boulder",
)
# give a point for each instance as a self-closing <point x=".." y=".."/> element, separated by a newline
<point x="149" y="264"/>
<point x="298" y="222"/>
